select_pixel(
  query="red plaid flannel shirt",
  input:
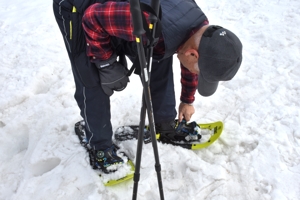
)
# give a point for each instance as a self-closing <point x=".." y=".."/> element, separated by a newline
<point x="101" y="21"/>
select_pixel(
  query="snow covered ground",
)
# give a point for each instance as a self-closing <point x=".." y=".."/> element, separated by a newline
<point x="256" y="158"/>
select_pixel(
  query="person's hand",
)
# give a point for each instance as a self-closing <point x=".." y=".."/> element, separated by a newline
<point x="185" y="111"/>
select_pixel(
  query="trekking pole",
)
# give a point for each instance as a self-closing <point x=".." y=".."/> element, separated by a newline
<point x="146" y="105"/>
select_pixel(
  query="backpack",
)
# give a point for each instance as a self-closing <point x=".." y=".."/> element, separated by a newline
<point x="68" y="15"/>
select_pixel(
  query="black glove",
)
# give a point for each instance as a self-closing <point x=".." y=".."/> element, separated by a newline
<point x="113" y="75"/>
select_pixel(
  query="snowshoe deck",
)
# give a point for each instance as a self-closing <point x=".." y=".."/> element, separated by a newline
<point x="210" y="132"/>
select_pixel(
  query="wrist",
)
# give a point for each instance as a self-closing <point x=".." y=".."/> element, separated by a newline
<point x="187" y="98"/>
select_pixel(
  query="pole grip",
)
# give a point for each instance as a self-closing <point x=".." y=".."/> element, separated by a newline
<point x="136" y="16"/>
<point x="155" y="6"/>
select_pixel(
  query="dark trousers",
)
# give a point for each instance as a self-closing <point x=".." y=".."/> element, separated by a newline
<point x="95" y="104"/>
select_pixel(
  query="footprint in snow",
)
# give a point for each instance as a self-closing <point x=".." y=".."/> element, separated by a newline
<point x="248" y="147"/>
<point x="41" y="167"/>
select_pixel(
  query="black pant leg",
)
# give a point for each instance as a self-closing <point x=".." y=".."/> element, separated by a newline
<point x="94" y="107"/>
<point x="162" y="90"/>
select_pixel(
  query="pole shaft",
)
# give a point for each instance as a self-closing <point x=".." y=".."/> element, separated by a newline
<point x="146" y="100"/>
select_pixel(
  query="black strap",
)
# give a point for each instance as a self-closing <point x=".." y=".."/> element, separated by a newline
<point x="135" y="67"/>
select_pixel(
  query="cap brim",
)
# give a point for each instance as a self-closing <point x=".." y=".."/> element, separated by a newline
<point x="206" y="88"/>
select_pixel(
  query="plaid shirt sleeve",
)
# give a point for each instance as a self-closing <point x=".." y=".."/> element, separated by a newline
<point x="189" y="83"/>
<point x="100" y="22"/>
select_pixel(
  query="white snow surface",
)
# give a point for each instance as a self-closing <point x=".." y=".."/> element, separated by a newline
<point x="257" y="156"/>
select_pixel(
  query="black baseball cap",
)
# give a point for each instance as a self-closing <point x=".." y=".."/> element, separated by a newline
<point x="220" y="53"/>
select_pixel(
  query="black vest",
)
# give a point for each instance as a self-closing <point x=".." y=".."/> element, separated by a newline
<point x="179" y="18"/>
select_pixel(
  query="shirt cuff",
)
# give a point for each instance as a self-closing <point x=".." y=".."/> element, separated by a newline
<point x="187" y="103"/>
<point x="187" y="100"/>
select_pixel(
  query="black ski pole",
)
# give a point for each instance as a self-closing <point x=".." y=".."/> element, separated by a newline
<point x="147" y="105"/>
<point x="155" y="4"/>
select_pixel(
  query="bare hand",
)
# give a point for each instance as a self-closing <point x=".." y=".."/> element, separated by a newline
<point x="185" y="111"/>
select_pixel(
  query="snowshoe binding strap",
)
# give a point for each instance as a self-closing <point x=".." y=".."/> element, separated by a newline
<point x="107" y="159"/>
<point x="177" y="132"/>
<point x="192" y="129"/>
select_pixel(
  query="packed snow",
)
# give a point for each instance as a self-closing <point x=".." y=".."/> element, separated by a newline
<point x="257" y="156"/>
